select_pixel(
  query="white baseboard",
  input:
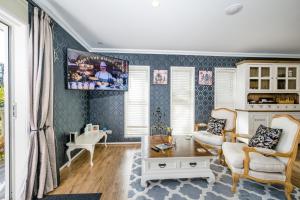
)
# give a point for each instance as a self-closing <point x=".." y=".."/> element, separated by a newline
<point x="80" y="152"/>
<point x="72" y="159"/>
<point x="120" y="143"/>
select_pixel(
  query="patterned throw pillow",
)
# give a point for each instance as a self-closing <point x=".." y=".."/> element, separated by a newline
<point x="215" y="126"/>
<point x="265" y="137"/>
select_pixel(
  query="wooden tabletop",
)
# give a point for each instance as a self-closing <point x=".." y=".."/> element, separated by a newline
<point x="183" y="148"/>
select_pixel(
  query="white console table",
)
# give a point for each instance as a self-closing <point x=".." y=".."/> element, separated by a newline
<point x="87" y="141"/>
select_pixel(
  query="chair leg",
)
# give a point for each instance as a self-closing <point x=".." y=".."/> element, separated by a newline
<point x="235" y="180"/>
<point x="220" y="153"/>
<point x="287" y="190"/>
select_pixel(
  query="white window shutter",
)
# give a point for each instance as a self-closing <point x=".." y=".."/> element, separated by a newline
<point x="224" y="87"/>
<point x="182" y="99"/>
<point x="137" y="101"/>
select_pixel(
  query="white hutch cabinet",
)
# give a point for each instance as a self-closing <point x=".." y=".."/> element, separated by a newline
<point x="265" y="88"/>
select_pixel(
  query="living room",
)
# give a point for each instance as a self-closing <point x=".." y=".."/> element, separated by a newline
<point x="156" y="99"/>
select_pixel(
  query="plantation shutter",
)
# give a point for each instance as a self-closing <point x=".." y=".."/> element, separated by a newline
<point x="137" y="101"/>
<point x="182" y="99"/>
<point x="224" y="87"/>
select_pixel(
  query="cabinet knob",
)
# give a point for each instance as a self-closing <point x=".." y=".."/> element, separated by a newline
<point x="162" y="165"/>
<point x="193" y="164"/>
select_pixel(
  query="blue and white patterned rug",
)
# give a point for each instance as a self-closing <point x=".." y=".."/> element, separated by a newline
<point x="197" y="188"/>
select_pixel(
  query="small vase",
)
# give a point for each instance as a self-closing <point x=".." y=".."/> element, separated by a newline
<point x="170" y="139"/>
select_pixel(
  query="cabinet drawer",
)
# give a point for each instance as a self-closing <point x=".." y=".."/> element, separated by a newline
<point x="153" y="165"/>
<point x="190" y="164"/>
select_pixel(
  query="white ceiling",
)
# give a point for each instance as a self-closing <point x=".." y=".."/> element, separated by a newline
<point x="262" y="28"/>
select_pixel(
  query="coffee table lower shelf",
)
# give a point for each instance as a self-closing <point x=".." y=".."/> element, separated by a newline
<point x="176" y="167"/>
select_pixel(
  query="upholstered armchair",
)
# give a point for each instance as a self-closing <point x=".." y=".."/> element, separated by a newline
<point x="210" y="140"/>
<point x="266" y="165"/>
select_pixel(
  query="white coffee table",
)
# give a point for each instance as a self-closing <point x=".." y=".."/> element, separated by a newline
<point x="184" y="161"/>
<point x="87" y="141"/>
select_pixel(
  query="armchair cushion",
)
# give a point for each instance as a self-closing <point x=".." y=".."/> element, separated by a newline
<point x="234" y="156"/>
<point x="208" y="138"/>
<point x="265" y="137"/>
<point x="216" y="126"/>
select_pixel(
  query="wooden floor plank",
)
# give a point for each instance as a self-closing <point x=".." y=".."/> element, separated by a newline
<point x="111" y="171"/>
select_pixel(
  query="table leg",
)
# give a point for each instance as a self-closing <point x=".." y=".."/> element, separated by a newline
<point x="105" y="138"/>
<point x="69" y="155"/>
<point x="143" y="182"/>
<point x="211" y="179"/>
<point x="91" y="150"/>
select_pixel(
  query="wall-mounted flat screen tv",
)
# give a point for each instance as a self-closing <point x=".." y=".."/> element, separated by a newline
<point x="90" y="71"/>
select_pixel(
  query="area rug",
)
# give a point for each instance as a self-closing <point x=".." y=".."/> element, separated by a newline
<point x="91" y="196"/>
<point x="197" y="188"/>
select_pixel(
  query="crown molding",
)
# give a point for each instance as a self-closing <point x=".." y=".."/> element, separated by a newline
<point x="195" y="53"/>
<point x="24" y="3"/>
<point x="52" y="12"/>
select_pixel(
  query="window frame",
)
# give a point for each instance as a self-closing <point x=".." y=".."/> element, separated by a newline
<point x="126" y="134"/>
<point x="192" y="97"/>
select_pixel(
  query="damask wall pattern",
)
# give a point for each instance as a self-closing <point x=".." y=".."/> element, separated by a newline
<point x="107" y="107"/>
<point x="70" y="106"/>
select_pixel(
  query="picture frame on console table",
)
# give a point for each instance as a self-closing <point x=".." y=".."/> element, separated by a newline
<point x="96" y="128"/>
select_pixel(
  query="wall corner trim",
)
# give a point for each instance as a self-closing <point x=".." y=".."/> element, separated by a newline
<point x="52" y="12"/>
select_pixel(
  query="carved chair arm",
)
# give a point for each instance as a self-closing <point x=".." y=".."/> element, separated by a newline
<point x="264" y="151"/>
<point x="235" y="135"/>
<point x="198" y="126"/>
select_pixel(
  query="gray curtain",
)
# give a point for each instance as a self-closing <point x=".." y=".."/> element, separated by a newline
<point x="42" y="173"/>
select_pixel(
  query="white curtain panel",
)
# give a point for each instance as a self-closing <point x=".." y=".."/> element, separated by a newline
<point x="42" y="173"/>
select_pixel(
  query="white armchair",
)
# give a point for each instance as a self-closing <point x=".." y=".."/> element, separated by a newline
<point x="265" y="165"/>
<point x="210" y="140"/>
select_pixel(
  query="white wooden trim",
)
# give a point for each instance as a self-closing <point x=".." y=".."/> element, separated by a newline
<point x="193" y="94"/>
<point x="119" y="143"/>
<point x="194" y="53"/>
<point x="54" y="14"/>
<point x="220" y="70"/>
<point x="125" y="103"/>
<point x="80" y="152"/>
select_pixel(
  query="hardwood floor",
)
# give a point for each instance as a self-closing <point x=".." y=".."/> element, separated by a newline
<point x="110" y="173"/>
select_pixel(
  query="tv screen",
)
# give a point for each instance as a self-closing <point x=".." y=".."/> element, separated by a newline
<point x="90" y="71"/>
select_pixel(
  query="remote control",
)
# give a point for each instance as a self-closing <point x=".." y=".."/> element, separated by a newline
<point x="155" y="149"/>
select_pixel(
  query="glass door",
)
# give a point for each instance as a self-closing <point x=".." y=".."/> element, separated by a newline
<point x="260" y="78"/>
<point x="254" y="78"/>
<point x="281" y="78"/>
<point x="4" y="139"/>
<point x="265" y="78"/>
<point x="292" y="78"/>
<point x="286" y="78"/>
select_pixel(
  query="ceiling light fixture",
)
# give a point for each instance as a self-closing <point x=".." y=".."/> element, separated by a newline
<point x="155" y="3"/>
<point x="233" y="8"/>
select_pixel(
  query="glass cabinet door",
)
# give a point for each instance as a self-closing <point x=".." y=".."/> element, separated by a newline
<point x="254" y="81"/>
<point x="286" y="78"/>
<point x="281" y="78"/>
<point x="265" y="76"/>
<point x="260" y="78"/>
<point x="292" y="78"/>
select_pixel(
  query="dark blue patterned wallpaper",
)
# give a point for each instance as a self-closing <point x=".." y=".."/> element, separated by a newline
<point x="107" y="107"/>
<point x="70" y="107"/>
